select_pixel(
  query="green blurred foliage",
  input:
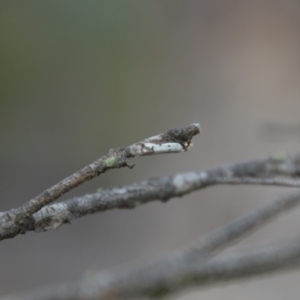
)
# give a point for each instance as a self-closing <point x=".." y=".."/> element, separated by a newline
<point x="85" y="68"/>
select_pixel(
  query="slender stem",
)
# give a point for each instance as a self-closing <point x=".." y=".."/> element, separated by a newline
<point x="191" y="267"/>
<point x="172" y="141"/>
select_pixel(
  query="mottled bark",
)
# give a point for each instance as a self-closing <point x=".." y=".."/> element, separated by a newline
<point x="20" y="220"/>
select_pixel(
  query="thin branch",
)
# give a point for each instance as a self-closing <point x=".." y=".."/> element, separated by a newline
<point x="280" y="182"/>
<point x="191" y="267"/>
<point x="259" y="172"/>
<point x="188" y="268"/>
<point x="239" y="228"/>
<point x="172" y="141"/>
<point x="129" y="197"/>
<point x="148" y="284"/>
<point x="142" y="284"/>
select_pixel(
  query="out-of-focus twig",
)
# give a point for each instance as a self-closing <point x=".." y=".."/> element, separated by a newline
<point x="191" y="267"/>
<point x="158" y="283"/>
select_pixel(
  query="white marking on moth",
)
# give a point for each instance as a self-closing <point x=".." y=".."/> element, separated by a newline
<point x="151" y="148"/>
<point x="162" y="148"/>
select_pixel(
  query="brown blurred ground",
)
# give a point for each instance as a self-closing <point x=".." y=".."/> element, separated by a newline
<point x="78" y="78"/>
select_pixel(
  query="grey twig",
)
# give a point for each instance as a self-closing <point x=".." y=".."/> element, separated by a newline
<point x="158" y="283"/>
<point x="259" y="172"/>
<point x="129" y="197"/>
<point x="168" y="187"/>
<point x="196" y="265"/>
<point x="188" y="268"/>
<point x="172" y="141"/>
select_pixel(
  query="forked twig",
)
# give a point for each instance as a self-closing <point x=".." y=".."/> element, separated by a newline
<point x="20" y="220"/>
<point x="258" y="172"/>
<point x="191" y="267"/>
<point x="194" y="266"/>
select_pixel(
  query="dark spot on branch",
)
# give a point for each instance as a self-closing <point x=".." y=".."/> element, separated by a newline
<point x="183" y="136"/>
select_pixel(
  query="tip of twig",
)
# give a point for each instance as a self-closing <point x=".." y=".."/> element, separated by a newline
<point x="173" y="141"/>
<point x="183" y="135"/>
<point x="197" y="126"/>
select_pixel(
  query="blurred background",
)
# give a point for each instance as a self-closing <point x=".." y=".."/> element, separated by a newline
<point x="78" y="78"/>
